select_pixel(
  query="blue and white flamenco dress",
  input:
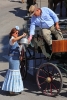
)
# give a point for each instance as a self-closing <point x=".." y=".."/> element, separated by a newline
<point x="13" y="81"/>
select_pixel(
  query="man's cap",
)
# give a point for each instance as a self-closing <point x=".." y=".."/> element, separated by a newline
<point x="32" y="9"/>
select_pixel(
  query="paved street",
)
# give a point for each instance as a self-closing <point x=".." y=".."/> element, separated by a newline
<point x="11" y="14"/>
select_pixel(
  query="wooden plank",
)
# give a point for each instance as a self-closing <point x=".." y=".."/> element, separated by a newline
<point x="59" y="46"/>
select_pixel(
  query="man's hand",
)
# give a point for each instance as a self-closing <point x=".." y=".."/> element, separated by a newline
<point x="57" y="26"/>
<point x="29" y="39"/>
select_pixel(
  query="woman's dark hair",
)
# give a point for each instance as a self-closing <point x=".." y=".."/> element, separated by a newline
<point x="12" y="32"/>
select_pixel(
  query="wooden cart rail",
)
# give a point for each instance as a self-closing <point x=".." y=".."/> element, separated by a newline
<point x="59" y="46"/>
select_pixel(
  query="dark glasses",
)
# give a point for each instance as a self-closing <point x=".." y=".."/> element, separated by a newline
<point x="17" y="32"/>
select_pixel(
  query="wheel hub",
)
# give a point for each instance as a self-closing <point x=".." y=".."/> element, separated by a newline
<point x="48" y="79"/>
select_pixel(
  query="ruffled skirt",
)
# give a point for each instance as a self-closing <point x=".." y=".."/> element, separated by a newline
<point x="13" y="81"/>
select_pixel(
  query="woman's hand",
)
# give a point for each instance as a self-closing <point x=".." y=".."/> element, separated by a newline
<point x="21" y="58"/>
<point x="24" y="34"/>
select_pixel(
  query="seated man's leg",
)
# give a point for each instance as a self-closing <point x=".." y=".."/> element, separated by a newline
<point x="41" y="44"/>
<point x="57" y="33"/>
<point x="47" y="36"/>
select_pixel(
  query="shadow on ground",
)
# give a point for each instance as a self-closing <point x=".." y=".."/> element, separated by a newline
<point x="3" y="72"/>
<point x="15" y="1"/>
<point x="19" y="12"/>
<point x="30" y="85"/>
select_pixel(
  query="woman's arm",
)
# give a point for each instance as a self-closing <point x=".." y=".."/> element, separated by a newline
<point x="18" y="38"/>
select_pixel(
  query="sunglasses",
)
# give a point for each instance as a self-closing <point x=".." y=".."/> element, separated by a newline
<point x="17" y="32"/>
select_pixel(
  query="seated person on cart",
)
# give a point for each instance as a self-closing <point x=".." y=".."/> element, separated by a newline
<point x="47" y="20"/>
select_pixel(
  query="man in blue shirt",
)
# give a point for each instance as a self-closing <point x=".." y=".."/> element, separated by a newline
<point x="47" y="20"/>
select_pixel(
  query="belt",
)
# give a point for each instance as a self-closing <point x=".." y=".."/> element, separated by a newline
<point x="13" y="70"/>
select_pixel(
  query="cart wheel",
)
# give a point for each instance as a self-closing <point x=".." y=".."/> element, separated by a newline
<point x="49" y="79"/>
<point x="23" y="68"/>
